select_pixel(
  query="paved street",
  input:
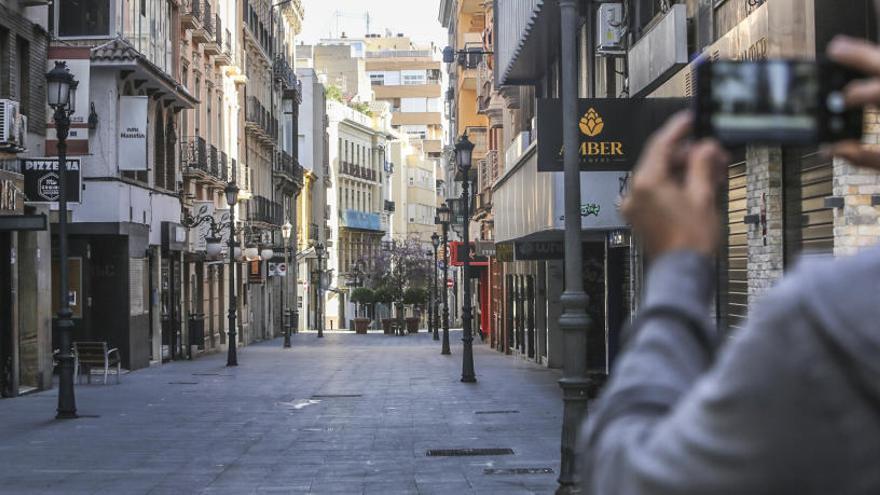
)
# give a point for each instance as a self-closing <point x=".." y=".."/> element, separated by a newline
<point x="349" y="414"/>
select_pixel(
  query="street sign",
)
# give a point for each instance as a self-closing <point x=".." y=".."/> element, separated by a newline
<point x="42" y="182"/>
<point x="277" y="269"/>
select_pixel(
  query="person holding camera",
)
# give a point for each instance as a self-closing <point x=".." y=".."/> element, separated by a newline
<point x="790" y="404"/>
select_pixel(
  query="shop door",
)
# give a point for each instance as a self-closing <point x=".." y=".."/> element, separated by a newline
<point x="530" y="314"/>
<point x="733" y="290"/>
<point x="6" y="342"/>
<point x="508" y="313"/>
<point x="594" y="286"/>
<point x="169" y="298"/>
<point x="809" y="225"/>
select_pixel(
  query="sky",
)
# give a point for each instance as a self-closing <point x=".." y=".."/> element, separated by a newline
<point x="415" y="18"/>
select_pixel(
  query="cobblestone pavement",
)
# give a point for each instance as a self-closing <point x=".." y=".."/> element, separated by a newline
<point x="347" y="414"/>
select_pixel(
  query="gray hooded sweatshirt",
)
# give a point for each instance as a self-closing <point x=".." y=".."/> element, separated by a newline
<point x="791" y="404"/>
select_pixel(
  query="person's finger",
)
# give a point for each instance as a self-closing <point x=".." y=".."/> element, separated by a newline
<point x="702" y="176"/>
<point x="855" y="53"/>
<point x="857" y="154"/>
<point x="658" y="154"/>
<point x="862" y="92"/>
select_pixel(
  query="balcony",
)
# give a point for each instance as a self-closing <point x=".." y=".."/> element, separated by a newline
<point x="191" y="15"/>
<point x="201" y="161"/>
<point x="288" y="167"/>
<point x="214" y="46"/>
<point x="260" y="121"/>
<point x="258" y="33"/>
<point x="264" y="210"/>
<point x="484" y="87"/>
<point x="356" y="171"/>
<point x="204" y="32"/>
<point x="389" y="206"/>
<point x="285" y="74"/>
<point x="224" y="57"/>
<point x="224" y="167"/>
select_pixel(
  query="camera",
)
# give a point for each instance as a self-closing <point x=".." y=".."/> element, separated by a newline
<point x="776" y="102"/>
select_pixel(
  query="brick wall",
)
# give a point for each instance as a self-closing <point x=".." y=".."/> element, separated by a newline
<point x="16" y="26"/>
<point x="857" y="224"/>
<point x="764" y="197"/>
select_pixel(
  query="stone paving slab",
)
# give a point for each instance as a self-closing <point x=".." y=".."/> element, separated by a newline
<point x="347" y="414"/>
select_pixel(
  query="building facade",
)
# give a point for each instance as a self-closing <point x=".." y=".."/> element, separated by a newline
<point x="25" y="245"/>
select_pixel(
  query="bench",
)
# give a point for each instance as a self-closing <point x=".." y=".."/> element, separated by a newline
<point x="95" y="354"/>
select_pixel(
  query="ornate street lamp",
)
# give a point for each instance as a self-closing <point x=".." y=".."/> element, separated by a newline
<point x="444" y="216"/>
<point x="435" y="318"/>
<point x="231" y="192"/>
<point x="319" y="251"/>
<point x="285" y="234"/>
<point x="463" y="153"/>
<point x="61" y="92"/>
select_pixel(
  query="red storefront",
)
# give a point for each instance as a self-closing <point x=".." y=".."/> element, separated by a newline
<point x="480" y="273"/>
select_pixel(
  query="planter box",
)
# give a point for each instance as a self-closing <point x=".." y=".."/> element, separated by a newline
<point x="412" y="324"/>
<point x="386" y="326"/>
<point x="361" y="325"/>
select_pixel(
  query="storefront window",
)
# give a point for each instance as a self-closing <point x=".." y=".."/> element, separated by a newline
<point x="84" y="18"/>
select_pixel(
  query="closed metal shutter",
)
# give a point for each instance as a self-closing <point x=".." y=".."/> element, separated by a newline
<point x="733" y="290"/>
<point x="809" y="225"/>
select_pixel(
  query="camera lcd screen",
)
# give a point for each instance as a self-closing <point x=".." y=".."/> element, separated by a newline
<point x="775" y="101"/>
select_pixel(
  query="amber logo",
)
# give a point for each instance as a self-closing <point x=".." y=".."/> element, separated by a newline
<point x="591" y="123"/>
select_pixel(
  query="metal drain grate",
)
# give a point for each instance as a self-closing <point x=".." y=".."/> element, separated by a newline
<point x="88" y="416"/>
<point x="183" y="383"/>
<point x="337" y="396"/>
<point x="513" y="411"/>
<point x="468" y="452"/>
<point x="207" y="374"/>
<point x="512" y="471"/>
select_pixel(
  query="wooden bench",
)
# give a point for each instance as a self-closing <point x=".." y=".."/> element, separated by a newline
<point x="95" y="354"/>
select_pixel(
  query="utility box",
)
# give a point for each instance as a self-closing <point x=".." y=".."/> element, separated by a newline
<point x="610" y="29"/>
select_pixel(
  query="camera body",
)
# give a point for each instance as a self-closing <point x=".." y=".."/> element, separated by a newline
<point x="776" y="102"/>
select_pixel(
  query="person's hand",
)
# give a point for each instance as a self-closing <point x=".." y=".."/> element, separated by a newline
<point x="671" y="203"/>
<point x="864" y="57"/>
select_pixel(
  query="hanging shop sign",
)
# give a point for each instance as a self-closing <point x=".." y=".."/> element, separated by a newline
<point x="199" y="235"/>
<point x="133" y="132"/>
<point x="611" y="131"/>
<point x="485" y="248"/>
<point x="277" y="269"/>
<point x="42" y="182"/>
<point x="255" y="272"/>
<point x="539" y="250"/>
<point x="460" y="254"/>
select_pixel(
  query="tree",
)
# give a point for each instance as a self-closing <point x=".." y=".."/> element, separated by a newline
<point x="362" y="296"/>
<point x="334" y="93"/>
<point x="401" y="265"/>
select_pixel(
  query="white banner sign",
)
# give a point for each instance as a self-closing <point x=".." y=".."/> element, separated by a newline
<point x="133" y="132"/>
<point x="221" y="218"/>
<point x="277" y="269"/>
<point x="203" y="231"/>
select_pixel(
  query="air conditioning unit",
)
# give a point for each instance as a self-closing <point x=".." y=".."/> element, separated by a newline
<point x="610" y="29"/>
<point x="13" y="127"/>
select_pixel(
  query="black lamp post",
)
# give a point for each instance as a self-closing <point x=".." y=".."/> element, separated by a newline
<point x="319" y="251"/>
<point x="444" y="217"/>
<point x="435" y="241"/>
<point x="463" y="153"/>
<point x="231" y="200"/>
<point x="285" y="234"/>
<point x="61" y="92"/>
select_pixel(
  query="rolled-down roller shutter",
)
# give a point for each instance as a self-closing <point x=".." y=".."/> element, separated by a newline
<point x="809" y="224"/>
<point x="733" y="286"/>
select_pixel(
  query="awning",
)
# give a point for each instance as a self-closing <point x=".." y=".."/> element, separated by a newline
<point x="527" y="39"/>
<point x="119" y="54"/>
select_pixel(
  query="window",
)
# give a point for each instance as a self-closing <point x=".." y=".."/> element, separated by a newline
<point x="413" y="105"/>
<point x="84" y="18"/>
<point x="377" y="79"/>
<point x="4" y="62"/>
<point x="413" y="77"/>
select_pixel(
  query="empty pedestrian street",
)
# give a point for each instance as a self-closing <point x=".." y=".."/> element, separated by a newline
<point x="343" y="414"/>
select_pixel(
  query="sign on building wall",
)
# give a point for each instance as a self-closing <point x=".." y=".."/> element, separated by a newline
<point x="200" y="234"/>
<point x="611" y="131"/>
<point x="42" y="181"/>
<point x="132" y="132"/>
<point x="221" y="218"/>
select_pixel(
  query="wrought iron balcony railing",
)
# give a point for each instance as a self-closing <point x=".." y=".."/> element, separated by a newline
<point x="262" y="209"/>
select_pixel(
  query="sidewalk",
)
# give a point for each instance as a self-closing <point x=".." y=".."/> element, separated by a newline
<point x="345" y="414"/>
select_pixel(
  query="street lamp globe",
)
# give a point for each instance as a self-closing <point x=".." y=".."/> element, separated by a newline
<point x="444" y="215"/>
<point x="71" y="96"/>
<point x="251" y="253"/>
<point x="231" y="192"/>
<point x="463" y="153"/>
<point x="267" y="254"/>
<point x="58" y="82"/>
<point x="213" y="246"/>
<point x="285" y="230"/>
<point x="319" y="249"/>
<point x="236" y="253"/>
<point x="435" y="240"/>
